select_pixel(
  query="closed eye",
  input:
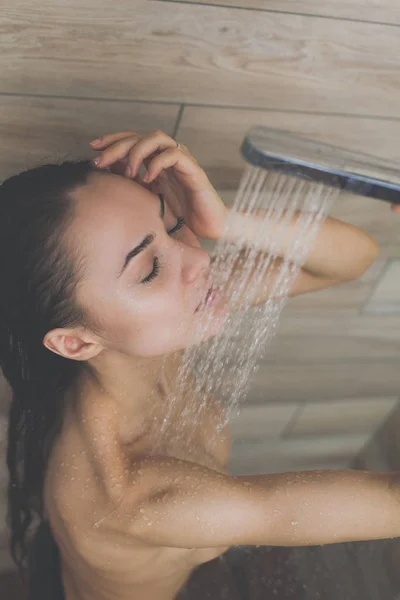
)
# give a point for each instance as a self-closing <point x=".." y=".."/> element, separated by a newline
<point x="156" y="264"/>
<point x="179" y="224"/>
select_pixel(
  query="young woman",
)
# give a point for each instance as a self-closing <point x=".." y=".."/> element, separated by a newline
<point x="103" y="282"/>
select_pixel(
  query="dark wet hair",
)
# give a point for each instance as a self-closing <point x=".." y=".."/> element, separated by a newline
<point x="38" y="276"/>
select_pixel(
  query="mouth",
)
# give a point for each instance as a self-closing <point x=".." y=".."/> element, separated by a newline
<point x="209" y="299"/>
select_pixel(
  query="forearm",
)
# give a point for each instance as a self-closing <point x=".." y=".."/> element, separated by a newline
<point x="326" y="507"/>
<point x="340" y="251"/>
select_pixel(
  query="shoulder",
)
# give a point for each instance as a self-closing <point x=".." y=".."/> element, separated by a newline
<point x="73" y="491"/>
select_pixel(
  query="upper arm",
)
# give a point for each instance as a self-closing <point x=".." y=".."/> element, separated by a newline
<point x="180" y="504"/>
<point x="254" y="290"/>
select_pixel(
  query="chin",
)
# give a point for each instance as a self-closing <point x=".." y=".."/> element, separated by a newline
<point x="209" y="327"/>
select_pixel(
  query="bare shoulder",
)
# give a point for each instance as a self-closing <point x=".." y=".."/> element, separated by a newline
<point x="74" y="492"/>
<point x="77" y="504"/>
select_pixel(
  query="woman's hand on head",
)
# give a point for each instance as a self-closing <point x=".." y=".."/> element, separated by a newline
<point x="172" y="171"/>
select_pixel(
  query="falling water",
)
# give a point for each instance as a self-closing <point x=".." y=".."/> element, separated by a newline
<point x="222" y="366"/>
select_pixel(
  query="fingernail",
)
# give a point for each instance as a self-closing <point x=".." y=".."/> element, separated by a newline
<point x="96" y="161"/>
<point x="128" y="172"/>
<point x="96" y="141"/>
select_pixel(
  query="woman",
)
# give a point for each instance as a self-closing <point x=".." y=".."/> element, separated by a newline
<point x="104" y="282"/>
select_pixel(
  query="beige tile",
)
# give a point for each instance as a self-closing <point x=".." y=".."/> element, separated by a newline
<point x="39" y="130"/>
<point x="364" y="329"/>
<point x="355" y="415"/>
<point x="329" y="338"/>
<point x="262" y="421"/>
<point x="282" y="455"/>
<point x="373" y="216"/>
<point x="385" y="299"/>
<point x="262" y="466"/>
<point x="386" y="444"/>
<point x="324" y="382"/>
<point x="202" y="54"/>
<point x="383" y="11"/>
<point x="372" y="457"/>
<point x="345" y="299"/>
<point x="319" y="445"/>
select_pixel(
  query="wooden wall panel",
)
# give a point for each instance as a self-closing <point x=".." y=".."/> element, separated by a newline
<point x="214" y="135"/>
<point x="340" y="338"/>
<point x="200" y="54"/>
<point x="343" y="417"/>
<point x="324" y="382"/>
<point x="379" y="11"/>
<point x="72" y="71"/>
<point x="38" y="130"/>
<point x="346" y="299"/>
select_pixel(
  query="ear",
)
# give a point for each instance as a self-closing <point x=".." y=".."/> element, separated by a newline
<point x="75" y="344"/>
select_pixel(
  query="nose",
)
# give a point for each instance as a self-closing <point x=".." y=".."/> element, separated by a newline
<point x="195" y="264"/>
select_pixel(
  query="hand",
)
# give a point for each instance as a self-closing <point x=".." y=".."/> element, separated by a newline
<point x="170" y="170"/>
<point x="396" y="208"/>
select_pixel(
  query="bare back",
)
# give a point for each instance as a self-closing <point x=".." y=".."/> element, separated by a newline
<point x="99" y="564"/>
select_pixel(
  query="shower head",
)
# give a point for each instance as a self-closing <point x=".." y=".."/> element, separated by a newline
<point x="358" y="173"/>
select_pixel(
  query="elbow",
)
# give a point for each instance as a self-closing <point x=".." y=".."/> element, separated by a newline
<point x="367" y="257"/>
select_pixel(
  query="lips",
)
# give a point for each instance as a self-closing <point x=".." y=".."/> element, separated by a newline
<point x="203" y="302"/>
<point x="209" y="298"/>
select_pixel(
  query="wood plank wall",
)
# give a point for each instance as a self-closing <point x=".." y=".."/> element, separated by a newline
<point x="204" y="73"/>
<point x="373" y="11"/>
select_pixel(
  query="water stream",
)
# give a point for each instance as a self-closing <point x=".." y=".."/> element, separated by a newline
<point x="223" y="365"/>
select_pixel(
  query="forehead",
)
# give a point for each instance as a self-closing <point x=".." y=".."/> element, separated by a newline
<point x="108" y="198"/>
<point x="110" y="214"/>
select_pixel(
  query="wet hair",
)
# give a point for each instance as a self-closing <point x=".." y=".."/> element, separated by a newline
<point x="38" y="275"/>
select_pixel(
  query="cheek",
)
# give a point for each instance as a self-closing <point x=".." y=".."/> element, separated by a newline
<point x="157" y="335"/>
<point x="150" y="327"/>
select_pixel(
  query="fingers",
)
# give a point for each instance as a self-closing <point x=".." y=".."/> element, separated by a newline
<point x="116" y="150"/>
<point x="147" y="149"/>
<point x="173" y="157"/>
<point x="134" y="148"/>
<point x="109" y="138"/>
<point x="396" y="208"/>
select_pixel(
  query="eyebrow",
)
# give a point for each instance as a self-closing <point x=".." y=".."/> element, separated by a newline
<point x="145" y="243"/>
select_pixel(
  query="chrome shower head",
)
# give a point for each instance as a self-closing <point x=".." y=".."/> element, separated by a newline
<point x="358" y="173"/>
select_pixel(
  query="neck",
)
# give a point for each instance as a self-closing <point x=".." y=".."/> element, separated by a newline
<point x="130" y="390"/>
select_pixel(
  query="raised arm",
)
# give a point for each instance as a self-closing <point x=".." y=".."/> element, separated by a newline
<point x="180" y="504"/>
<point x="340" y="253"/>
